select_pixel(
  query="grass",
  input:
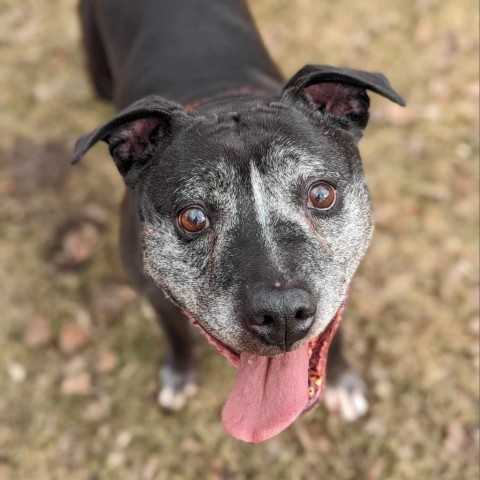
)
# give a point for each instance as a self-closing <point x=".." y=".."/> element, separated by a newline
<point x="412" y="321"/>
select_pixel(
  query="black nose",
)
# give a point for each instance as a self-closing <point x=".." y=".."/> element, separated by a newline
<point x="280" y="317"/>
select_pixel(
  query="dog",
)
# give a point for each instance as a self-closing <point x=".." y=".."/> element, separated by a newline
<point x="246" y="211"/>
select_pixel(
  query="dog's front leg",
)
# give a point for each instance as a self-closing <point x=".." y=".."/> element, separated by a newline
<point x="177" y="374"/>
<point x="345" y="390"/>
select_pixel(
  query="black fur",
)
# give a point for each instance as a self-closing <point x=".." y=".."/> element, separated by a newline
<point x="154" y="57"/>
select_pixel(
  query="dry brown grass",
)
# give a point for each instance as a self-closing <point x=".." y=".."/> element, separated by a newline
<point x="412" y="323"/>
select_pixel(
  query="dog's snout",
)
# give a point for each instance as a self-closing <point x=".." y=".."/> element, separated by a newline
<point x="280" y="317"/>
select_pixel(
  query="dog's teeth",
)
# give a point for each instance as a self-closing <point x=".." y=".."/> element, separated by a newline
<point x="315" y="379"/>
<point x="310" y="352"/>
<point x="314" y="383"/>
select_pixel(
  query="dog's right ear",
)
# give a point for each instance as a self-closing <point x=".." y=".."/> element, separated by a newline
<point x="135" y="134"/>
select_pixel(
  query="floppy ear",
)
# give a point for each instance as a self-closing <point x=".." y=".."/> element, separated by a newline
<point x="340" y="92"/>
<point x="135" y="134"/>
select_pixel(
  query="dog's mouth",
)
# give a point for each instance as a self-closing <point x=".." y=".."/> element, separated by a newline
<point x="271" y="392"/>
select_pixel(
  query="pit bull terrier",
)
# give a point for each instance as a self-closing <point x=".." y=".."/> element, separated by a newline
<point x="246" y="211"/>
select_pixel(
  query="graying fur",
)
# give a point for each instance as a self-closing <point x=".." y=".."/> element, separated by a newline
<point x="326" y="261"/>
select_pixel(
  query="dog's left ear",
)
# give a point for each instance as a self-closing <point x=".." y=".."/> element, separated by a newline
<point x="341" y="92"/>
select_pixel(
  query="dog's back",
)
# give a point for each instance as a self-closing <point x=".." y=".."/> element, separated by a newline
<point x="178" y="49"/>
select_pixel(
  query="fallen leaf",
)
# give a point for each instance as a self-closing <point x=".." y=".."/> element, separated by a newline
<point x="106" y="362"/>
<point x="38" y="333"/>
<point x="109" y="303"/>
<point x="455" y="438"/>
<point x="98" y="410"/>
<point x="376" y="469"/>
<point x="77" y="245"/>
<point x="75" y="365"/>
<point x="80" y="384"/>
<point x="73" y="337"/>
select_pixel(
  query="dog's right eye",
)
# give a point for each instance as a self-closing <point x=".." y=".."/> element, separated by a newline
<point x="193" y="220"/>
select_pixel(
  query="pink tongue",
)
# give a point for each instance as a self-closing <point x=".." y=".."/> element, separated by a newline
<point x="270" y="392"/>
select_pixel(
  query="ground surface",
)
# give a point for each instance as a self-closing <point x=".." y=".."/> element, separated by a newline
<point x="78" y="351"/>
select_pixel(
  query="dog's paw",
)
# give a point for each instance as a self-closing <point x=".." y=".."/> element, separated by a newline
<point x="346" y="396"/>
<point x="174" y="400"/>
<point x="176" y="389"/>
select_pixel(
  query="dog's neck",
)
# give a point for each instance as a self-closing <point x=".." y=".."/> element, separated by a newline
<point x="185" y="51"/>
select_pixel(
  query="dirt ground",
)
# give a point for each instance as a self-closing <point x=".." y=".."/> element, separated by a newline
<point x="78" y="349"/>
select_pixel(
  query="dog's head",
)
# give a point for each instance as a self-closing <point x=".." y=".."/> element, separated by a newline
<point x="254" y="211"/>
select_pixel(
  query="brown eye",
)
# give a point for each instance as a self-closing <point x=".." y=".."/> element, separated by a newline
<point x="322" y="196"/>
<point x="193" y="220"/>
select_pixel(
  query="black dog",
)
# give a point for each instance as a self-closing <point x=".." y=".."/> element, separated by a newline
<point x="246" y="209"/>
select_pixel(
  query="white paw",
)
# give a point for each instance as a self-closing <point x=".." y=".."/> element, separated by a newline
<point x="175" y="400"/>
<point x="347" y="397"/>
<point x="176" y="389"/>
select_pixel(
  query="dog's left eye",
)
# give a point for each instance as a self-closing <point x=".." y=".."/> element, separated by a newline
<point x="193" y="220"/>
<point x="322" y="196"/>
